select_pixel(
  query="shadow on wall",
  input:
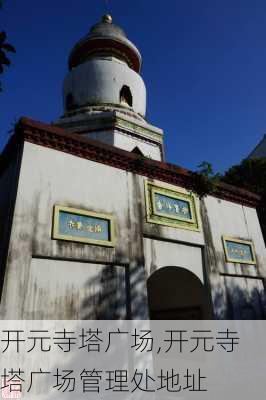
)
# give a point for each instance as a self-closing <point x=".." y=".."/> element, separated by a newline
<point x="59" y="289"/>
<point x="108" y="297"/>
<point x="239" y="298"/>
<point x="174" y="293"/>
<point x="115" y="293"/>
<point x="110" y="291"/>
<point x="245" y="298"/>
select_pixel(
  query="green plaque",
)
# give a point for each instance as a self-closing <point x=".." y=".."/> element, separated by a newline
<point x="171" y="208"/>
<point x="83" y="226"/>
<point x="239" y="251"/>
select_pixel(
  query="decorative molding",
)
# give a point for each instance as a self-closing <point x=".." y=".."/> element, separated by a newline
<point x="85" y="49"/>
<point x="141" y="130"/>
<point x="58" y="139"/>
<point x="90" y="109"/>
<point x="102" y="122"/>
<point x="85" y="129"/>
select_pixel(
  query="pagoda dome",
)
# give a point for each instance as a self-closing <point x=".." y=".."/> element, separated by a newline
<point x="104" y="74"/>
<point x="105" y="38"/>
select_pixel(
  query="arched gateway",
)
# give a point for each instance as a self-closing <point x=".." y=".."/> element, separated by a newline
<point x="176" y="293"/>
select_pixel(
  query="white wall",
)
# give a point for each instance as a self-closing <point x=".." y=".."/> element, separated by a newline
<point x="159" y="254"/>
<point x="50" y="177"/>
<point x="73" y="290"/>
<point x="99" y="81"/>
<point x="230" y="219"/>
<point x="232" y="293"/>
<point x="127" y="142"/>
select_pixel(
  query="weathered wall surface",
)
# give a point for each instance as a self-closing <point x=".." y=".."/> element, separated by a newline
<point x="48" y="278"/>
<point x="121" y="127"/>
<point x="49" y="177"/>
<point x="99" y="81"/>
<point x="74" y="290"/>
<point x="159" y="254"/>
<point x="8" y="189"/>
<point x="235" y="287"/>
<point x="6" y="183"/>
<point x="127" y="142"/>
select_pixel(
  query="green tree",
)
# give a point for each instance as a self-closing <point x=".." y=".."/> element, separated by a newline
<point x="251" y="175"/>
<point x="205" y="169"/>
<point x="205" y="180"/>
<point x="4" y="49"/>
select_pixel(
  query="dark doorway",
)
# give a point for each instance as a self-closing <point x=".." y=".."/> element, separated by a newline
<point x="175" y="293"/>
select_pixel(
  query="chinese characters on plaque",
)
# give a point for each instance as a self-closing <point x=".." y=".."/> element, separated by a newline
<point x="83" y="226"/>
<point x="239" y="251"/>
<point x="171" y="208"/>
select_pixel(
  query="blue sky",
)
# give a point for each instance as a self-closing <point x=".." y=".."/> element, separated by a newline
<point x="204" y="65"/>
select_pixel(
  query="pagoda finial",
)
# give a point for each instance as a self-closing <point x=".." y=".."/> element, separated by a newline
<point x="107" y="18"/>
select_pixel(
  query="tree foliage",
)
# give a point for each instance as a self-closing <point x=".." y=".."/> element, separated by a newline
<point x="205" y="169"/>
<point x="205" y="181"/>
<point x="251" y="175"/>
<point x="5" y="48"/>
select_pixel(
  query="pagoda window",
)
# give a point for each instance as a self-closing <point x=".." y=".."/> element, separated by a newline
<point x="126" y="96"/>
<point x="70" y="102"/>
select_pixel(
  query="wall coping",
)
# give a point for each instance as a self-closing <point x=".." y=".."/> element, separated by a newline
<point x="58" y="139"/>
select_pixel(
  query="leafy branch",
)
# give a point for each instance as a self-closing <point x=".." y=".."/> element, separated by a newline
<point x="4" y="49"/>
<point x="205" y="180"/>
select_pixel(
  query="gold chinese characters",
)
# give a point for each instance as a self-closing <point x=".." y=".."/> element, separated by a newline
<point x="176" y="207"/>
<point x="83" y="227"/>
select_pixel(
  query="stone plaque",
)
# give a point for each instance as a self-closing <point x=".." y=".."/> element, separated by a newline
<point x="83" y="226"/>
<point x="171" y="208"/>
<point x="239" y="251"/>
